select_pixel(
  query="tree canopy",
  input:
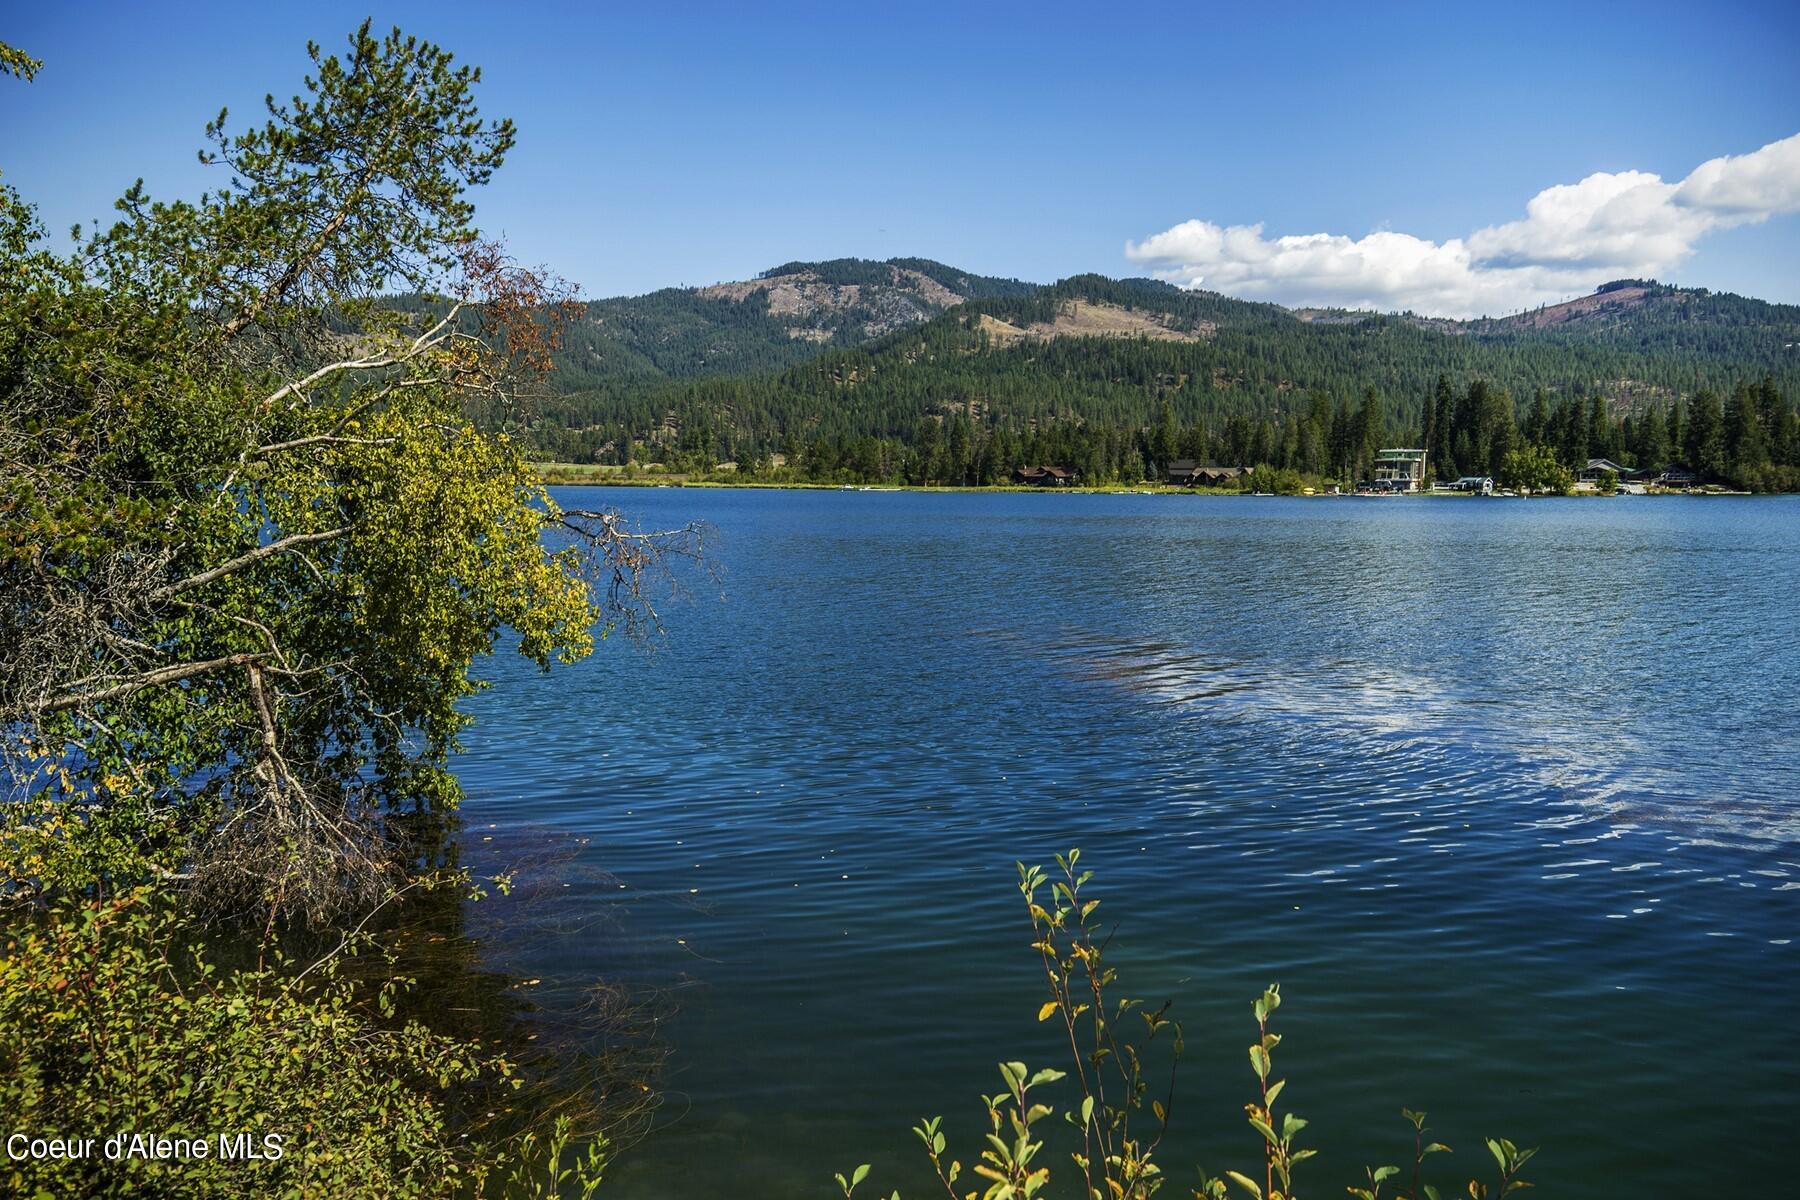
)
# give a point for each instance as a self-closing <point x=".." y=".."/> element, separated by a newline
<point x="251" y="538"/>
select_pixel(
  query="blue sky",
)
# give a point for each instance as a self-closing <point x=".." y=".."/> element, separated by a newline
<point x="665" y="144"/>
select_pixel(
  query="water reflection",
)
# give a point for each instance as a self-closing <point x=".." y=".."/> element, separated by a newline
<point x="1503" y="794"/>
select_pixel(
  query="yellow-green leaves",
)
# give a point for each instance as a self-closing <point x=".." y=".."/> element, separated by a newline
<point x="14" y="61"/>
<point x="1113" y="1162"/>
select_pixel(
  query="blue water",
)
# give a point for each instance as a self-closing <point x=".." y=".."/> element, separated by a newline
<point x="1503" y="793"/>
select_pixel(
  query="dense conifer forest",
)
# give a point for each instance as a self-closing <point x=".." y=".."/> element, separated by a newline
<point x="1116" y="378"/>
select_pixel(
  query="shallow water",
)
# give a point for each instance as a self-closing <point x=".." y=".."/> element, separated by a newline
<point x="1503" y="793"/>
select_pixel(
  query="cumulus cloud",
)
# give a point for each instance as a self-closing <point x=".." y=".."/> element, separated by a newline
<point x="1573" y="237"/>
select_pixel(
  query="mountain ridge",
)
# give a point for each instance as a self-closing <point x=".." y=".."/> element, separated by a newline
<point x="799" y="307"/>
<point x="849" y="348"/>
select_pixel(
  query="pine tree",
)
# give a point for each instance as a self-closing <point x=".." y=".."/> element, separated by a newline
<point x="1164" y="438"/>
<point x="1443" y="454"/>
<point x="1340" y="439"/>
<point x="962" y="437"/>
<point x="928" y="448"/>
<point x="1370" y="432"/>
<point x="1746" y="447"/>
<point x="1704" y="445"/>
<point x="1599" y="438"/>
<point x="1501" y="432"/>
<point x="1537" y="425"/>
<point x="1652" y="444"/>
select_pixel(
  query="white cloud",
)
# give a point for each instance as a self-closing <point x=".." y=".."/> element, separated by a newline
<point x="1573" y="237"/>
<point x="1748" y="187"/>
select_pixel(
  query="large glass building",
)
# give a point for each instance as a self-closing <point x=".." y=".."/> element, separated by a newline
<point x="1400" y="468"/>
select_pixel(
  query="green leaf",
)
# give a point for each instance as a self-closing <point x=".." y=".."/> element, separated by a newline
<point x="861" y="1173"/>
<point x="1245" y="1182"/>
<point x="1259" y="1062"/>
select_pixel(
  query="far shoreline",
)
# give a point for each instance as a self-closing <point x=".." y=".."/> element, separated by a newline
<point x="580" y="475"/>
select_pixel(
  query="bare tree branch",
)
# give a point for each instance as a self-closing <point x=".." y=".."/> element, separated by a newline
<point x="250" y="558"/>
<point x="138" y="683"/>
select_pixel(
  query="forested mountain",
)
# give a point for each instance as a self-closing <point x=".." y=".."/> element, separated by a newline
<point x="784" y="316"/>
<point x="1116" y="358"/>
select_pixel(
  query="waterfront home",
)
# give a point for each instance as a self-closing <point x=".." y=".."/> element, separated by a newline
<point x="1044" y="476"/>
<point x="1597" y="467"/>
<point x="1185" y="472"/>
<point x="1678" y="477"/>
<point x="1399" y="469"/>
<point x="1481" y="485"/>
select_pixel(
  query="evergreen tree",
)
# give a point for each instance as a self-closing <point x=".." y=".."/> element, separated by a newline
<point x="1599" y="438"/>
<point x="1746" y="447"/>
<point x="1340" y="439"/>
<point x="1572" y="432"/>
<point x="1443" y="454"/>
<point x="1164" y="438"/>
<point x="1370" y="433"/>
<point x="928" y="447"/>
<point x="1781" y="431"/>
<point x="1498" y="428"/>
<point x="1537" y="425"/>
<point x="957" y="450"/>
<point x="1705" y="439"/>
<point x="1652" y="444"/>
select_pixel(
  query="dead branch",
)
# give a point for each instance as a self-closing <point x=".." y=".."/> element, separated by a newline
<point x="249" y="558"/>
<point x="634" y="565"/>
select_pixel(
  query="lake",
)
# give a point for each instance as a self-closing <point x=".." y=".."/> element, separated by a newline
<point x="1503" y="793"/>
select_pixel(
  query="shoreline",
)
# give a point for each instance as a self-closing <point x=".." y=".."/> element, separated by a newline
<point x="576" y="475"/>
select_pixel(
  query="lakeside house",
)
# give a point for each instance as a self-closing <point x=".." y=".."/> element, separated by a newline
<point x="1678" y="477"/>
<point x="1399" y="469"/>
<point x="1185" y="472"/>
<point x="1481" y="485"/>
<point x="1044" y="476"/>
<point x="1597" y="467"/>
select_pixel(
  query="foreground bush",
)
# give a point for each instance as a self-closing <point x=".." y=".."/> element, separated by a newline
<point x="113" y="1020"/>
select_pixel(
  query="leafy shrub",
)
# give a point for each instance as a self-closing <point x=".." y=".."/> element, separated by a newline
<point x="1535" y="469"/>
<point x="114" y="1020"/>
<point x="1111" y="1043"/>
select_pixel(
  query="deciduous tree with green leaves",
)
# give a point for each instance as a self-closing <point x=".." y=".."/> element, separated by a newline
<point x="1535" y="469"/>
<point x="251" y="535"/>
<point x="256" y="525"/>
